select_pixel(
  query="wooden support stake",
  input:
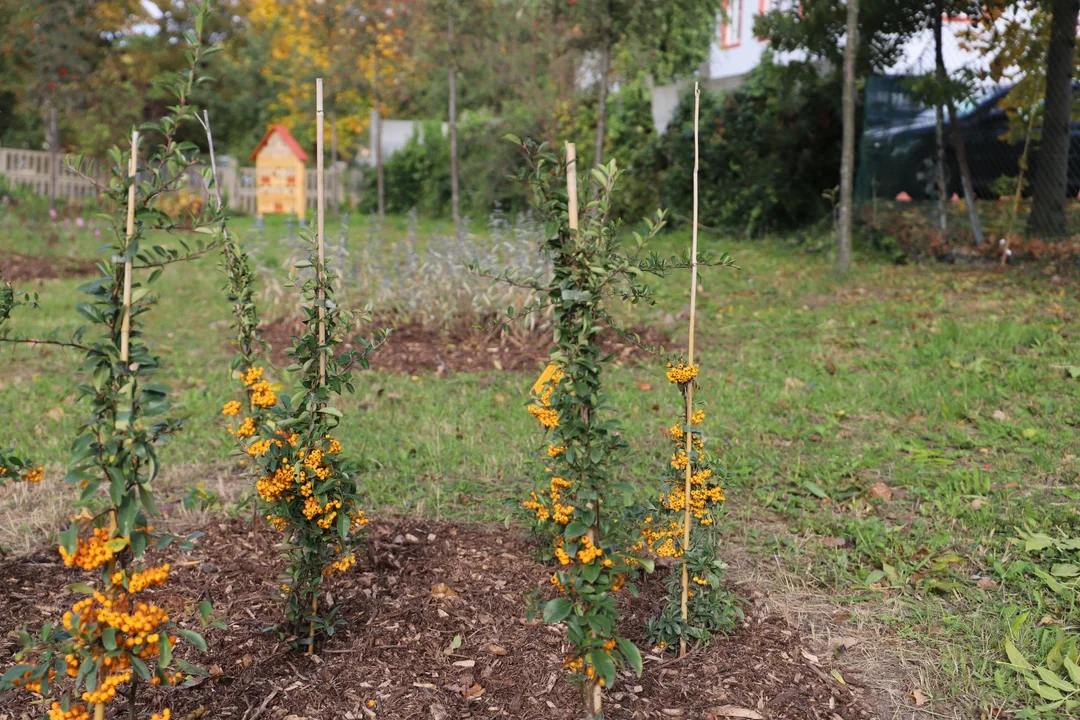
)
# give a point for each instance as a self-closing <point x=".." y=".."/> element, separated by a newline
<point x="592" y="693"/>
<point x="320" y="199"/>
<point x="690" y="386"/>
<point x="320" y="271"/>
<point x="571" y="184"/>
<point x="125" y="326"/>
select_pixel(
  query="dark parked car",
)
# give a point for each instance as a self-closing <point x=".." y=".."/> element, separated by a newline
<point x="901" y="158"/>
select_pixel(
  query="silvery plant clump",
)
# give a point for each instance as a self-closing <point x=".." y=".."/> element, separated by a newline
<point x="433" y="281"/>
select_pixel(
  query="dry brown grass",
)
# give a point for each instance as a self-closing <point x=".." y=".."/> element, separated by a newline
<point x="853" y="635"/>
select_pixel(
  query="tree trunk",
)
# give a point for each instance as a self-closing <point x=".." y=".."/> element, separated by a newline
<point x="954" y="129"/>
<point x="54" y="154"/>
<point x="455" y="202"/>
<point x="847" y="156"/>
<point x="1049" y="184"/>
<point x="939" y="126"/>
<point x="381" y="187"/>
<point x="601" y="107"/>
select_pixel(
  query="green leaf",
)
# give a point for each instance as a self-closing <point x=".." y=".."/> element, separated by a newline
<point x="631" y="653"/>
<point x="81" y="588"/>
<point x="69" y="539"/>
<point x="108" y="638"/>
<point x="164" y="651"/>
<point x="604" y="664"/>
<point x="192" y="637"/>
<point x="511" y="137"/>
<point x="140" y="668"/>
<point x="557" y="610"/>
<point x="205" y="608"/>
<point x="1072" y="668"/>
<point x="1051" y="678"/>
<point x="1045" y="691"/>
<point x="814" y="489"/>
<point x="1016" y="657"/>
<point x="331" y="411"/>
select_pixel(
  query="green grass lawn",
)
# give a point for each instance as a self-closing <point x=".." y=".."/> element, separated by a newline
<point x="889" y="436"/>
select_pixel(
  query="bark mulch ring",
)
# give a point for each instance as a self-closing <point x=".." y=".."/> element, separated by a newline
<point x="414" y="348"/>
<point x="24" y="268"/>
<point x="421" y="585"/>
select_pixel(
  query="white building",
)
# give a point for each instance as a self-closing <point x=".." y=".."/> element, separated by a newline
<point x="736" y="52"/>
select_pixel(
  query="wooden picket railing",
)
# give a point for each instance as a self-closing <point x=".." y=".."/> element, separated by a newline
<point x="31" y="168"/>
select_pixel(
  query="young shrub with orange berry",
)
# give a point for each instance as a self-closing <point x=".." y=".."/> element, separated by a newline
<point x="116" y="637"/>
<point x="710" y="607"/>
<point x="308" y="488"/>
<point x="582" y="499"/>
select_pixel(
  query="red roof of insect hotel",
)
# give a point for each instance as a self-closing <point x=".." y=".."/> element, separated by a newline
<point x="286" y="136"/>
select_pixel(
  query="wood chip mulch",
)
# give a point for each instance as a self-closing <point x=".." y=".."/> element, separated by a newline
<point x="413" y="348"/>
<point x="25" y="268"/>
<point x="421" y="585"/>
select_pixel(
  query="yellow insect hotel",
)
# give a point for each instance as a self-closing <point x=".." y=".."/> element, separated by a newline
<point x="279" y="174"/>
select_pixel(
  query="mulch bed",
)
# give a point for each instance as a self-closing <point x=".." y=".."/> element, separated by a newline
<point x="396" y="648"/>
<point x="24" y="268"/>
<point x="413" y="348"/>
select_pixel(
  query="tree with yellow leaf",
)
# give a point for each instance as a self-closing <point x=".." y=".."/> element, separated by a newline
<point x="359" y="47"/>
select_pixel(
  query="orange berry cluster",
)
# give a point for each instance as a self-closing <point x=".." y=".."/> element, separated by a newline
<point x="590" y="552"/>
<point x="681" y="373"/>
<point x="34" y="476"/>
<point x="232" y="408"/>
<point x="77" y="712"/>
<point x="340" y="566"/>
<point x="89" y="554"/>
<point x="139" y="581"/>
<point x="163" y="715"/>
<point x="106" y="691"/>
<point x="543" y="389"/>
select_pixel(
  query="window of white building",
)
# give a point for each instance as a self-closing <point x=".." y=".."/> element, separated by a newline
<point x="731" y="24"/>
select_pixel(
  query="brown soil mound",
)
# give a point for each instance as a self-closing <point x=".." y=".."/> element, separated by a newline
<point x="23" y="268"/>
<point x="397" y="647"/>
<point x="414" y="348"/>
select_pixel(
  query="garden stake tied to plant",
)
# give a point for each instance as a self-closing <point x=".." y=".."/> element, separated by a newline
<point x="308" y="489"/>
<point x="582" y="506"/>
<point x="677" y="528"/>
<point x="116" y="636"/>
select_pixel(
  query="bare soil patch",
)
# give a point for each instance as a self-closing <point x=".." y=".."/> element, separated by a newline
<point x="395" y="651"/>
<point x="24" y="268"/>
<point x="413" y="348"/>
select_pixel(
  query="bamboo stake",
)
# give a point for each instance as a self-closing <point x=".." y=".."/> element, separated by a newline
<point x="320" y="195"/>
<point x="125" y="323"/>
<point x="125" y="326"/>
<point x="320" y="290"/>
<point x="690" y="385"/>
<point x="571" y="184"/>
<point x="592" y="693"/>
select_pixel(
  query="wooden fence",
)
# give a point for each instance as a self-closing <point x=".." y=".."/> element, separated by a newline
<point x="31" y="168"/>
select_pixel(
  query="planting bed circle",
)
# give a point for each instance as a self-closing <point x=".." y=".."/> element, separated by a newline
<point x="421" y="585"/>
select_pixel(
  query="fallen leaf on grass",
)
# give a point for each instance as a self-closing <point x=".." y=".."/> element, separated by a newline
<point x="793" y="383"/>
<point x="986" y="584"/>
<point x="1000" y="415"/>
<point x="813" y="659"/>
<point x="881" y="490"/>
<point x="918" y="697"/>
<point x="465" y="663"/>
<point x="730" y="711"/>
<point x="978" y="503"/>
<point x="834" y="542"/>
<point x="644" y="386"/>
<point x="496" y="650"/>
<point x="838" y="677"/>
